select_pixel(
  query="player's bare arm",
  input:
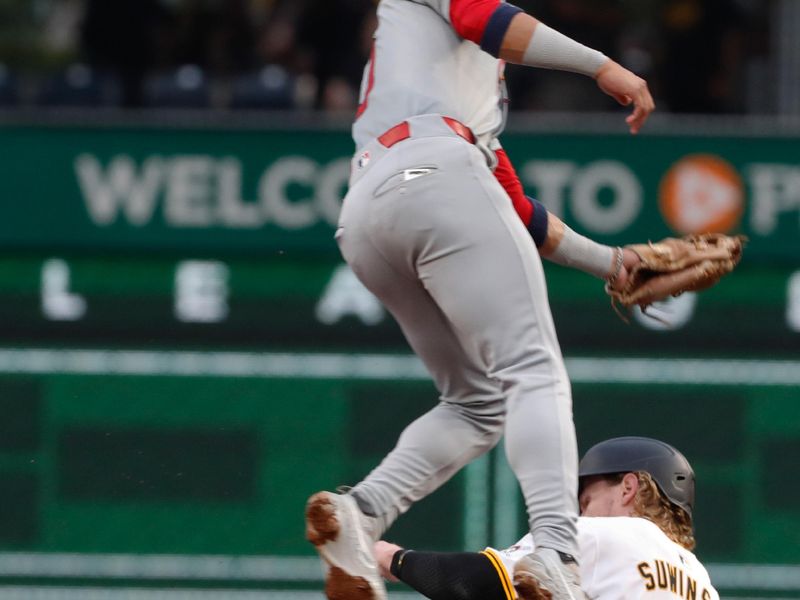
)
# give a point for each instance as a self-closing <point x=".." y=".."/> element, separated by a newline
<point x="527" y="41"/>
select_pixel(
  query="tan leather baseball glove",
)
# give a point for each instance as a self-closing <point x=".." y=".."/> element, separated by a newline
<point x="676" y="265"/>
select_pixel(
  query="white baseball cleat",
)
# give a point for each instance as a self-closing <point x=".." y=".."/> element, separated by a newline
<point x="342" y="535"/>
<point x="543" y="575"/>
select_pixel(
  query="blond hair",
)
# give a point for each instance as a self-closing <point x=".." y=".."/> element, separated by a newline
<point x="652" y="505"/>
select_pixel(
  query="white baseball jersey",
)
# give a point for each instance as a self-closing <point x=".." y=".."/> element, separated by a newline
<point x="625" y="558"/>
<point x="434" y="71"/>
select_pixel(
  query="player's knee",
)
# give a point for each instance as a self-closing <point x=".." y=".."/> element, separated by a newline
<point x="488" y="417"/>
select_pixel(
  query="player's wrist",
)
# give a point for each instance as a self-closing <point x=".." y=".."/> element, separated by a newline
<point x="617" y="267"/>
<point x="550" y="49"/>
<point x="396" y="565"/>
<point x="607" y="66"/>
<point x="579" y="252"/>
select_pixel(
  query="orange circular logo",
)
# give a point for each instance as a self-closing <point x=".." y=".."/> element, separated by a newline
<point x="701" y="193"/>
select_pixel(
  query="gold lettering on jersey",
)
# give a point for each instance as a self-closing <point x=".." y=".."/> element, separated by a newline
<point x="691" y="589"/>
<point x="659" y="574"/>
<point x="644" y="571"/>
<point x="672" y="570"/>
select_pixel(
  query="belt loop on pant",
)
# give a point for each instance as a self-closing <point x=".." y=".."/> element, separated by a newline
<point x="398" y="133"/>
<point x="460" y="129"/>
<point x="402" y="131"/>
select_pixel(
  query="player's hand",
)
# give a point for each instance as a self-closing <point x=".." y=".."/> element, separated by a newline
<point x="384" y="552"/>
<point x="626" y="88"/>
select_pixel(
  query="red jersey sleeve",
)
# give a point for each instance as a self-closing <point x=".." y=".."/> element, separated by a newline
<point x="470" y="17"/>
<point x="484" y="22"/>
<point x="507" y="176"/>
<point x="532" y="212"/>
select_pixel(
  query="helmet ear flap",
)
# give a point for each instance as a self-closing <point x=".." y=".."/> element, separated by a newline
<point x="669" y="469"/>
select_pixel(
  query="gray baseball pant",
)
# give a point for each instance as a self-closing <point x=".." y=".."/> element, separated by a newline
<point x="429" y="230"/>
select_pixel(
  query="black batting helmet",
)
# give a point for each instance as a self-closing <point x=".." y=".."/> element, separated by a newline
<point x="669" y="468"/>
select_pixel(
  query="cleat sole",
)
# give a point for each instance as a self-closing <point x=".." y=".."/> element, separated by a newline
<point x="322" y="525"/>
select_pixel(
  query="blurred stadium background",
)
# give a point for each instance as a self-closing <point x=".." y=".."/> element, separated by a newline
<point x="184" y="357"/>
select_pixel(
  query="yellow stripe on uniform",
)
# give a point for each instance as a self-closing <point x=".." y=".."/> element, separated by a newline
<point x="503" y="574"/>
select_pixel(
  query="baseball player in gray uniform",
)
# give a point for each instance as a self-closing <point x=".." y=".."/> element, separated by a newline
<point x="436" y="226"/>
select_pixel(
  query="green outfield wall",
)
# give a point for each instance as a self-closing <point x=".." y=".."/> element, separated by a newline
<point x="317" y="303"/>
<point x="184" y="356"/>
<point x="189" y="470"/>
<point x="193" y="463"/>
<point x="279" y="190"/>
